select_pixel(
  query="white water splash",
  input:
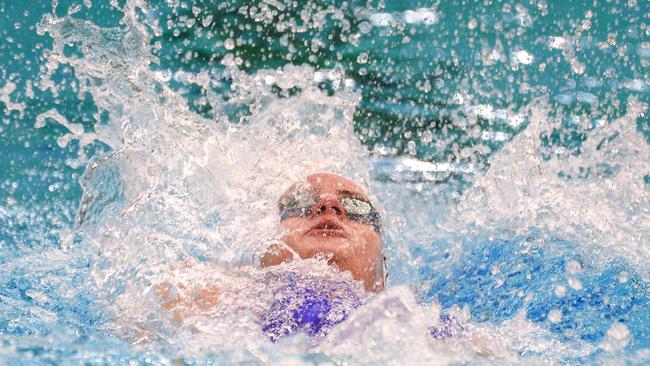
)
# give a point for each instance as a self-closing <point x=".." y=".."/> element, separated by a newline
<point x="597" y="199"/>
<point x="5" y="97"/>
<point x="178" y="187"/>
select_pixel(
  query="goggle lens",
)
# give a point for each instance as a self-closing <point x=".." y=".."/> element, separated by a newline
<point x="356" y="208"/>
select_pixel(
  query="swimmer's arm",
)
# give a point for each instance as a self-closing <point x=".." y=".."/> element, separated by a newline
<point x="183" y="301"/>
<point x="276" y="254"/>
<point x="198" y="301"/>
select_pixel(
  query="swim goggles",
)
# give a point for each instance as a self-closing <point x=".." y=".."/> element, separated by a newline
<point x="302" y="204"/>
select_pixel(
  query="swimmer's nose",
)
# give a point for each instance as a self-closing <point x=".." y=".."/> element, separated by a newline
<point x="328" y="206"/>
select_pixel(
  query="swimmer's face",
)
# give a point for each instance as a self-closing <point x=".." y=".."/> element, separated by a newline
<point x="330" y="215"/>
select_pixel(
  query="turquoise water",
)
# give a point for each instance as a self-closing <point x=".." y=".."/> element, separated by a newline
<point x="506" y="145"/>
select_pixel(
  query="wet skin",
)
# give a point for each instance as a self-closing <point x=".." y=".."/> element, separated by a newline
<point x="327" y="231"/>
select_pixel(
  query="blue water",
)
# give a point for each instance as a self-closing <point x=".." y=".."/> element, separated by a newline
<point x="435" y="84"/>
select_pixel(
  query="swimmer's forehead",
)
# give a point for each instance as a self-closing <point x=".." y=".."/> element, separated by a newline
<point x="326" y="183"/>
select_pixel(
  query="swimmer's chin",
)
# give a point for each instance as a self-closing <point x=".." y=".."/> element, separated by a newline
<point x="326" y="242"/>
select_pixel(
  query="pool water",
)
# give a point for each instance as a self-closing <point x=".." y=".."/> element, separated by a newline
<point x="506" y="146"/>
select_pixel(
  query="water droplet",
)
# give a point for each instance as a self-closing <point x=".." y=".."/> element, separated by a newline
<point x="362" y="58"/>
<point x="207" y="21"/>
<point x="365" y="27"/>
<point x="617" y="337"/>
<point x="229" y="44"/>
<point x="523" y="57"/>
<point x="555" y="316"/>
<point x="421" y="16"/>
<point x="573" y="267"/>
<point x="575" y="284"/>
<point x="623" y="277"/>
<point x="411" y="147"/>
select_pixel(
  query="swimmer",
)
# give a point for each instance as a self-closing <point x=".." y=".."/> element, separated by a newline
<point x="325" y="216"/>
<point x="330" y="215"/>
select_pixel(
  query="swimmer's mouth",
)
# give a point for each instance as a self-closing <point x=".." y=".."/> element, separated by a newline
<point x="327" y="228"/>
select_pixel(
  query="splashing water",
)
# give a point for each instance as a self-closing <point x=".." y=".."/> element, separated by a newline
<point x="517" y="206"/>
<point x="598" y="199"/>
